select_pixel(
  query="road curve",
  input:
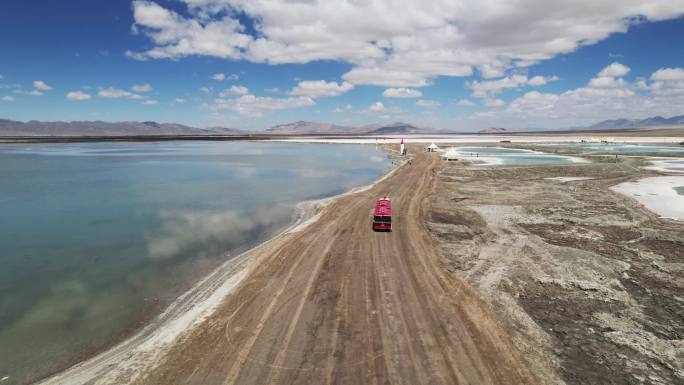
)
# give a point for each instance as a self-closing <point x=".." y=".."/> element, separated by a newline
<point x="337" y="303"/>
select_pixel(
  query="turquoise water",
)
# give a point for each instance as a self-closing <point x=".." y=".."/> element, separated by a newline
<point x="492" y="150"/>
<point x="626" y="148"/>
<point x="534" y="159"/>
<point x="98" y="238"/>
<point x="510" y="156"/>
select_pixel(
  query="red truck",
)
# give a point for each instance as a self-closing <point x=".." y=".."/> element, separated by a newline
<point x="382" y="216"/>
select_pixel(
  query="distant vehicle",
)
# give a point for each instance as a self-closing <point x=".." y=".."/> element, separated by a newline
<point x="382" y="216"/>
<point x="681" y="143"/>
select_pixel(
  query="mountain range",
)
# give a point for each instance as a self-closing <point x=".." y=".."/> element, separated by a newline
<point x="100" y="128"/>
<point x="654" y="122"/>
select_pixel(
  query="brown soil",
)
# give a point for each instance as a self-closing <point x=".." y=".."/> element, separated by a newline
<point x="339" y="304"/>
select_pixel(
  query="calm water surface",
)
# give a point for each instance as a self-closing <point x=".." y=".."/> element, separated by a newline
<point x="626" y="148"/>
<point x="511" y="156"/>
<point x="98" y="238"/>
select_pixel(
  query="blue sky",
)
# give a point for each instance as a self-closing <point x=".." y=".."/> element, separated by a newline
<point x="253" y="64"/>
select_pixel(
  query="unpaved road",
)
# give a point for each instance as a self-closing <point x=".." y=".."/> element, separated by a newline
<point x="337" y="303"/>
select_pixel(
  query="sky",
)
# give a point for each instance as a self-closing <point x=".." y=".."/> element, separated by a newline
<point x="456" y="64"/>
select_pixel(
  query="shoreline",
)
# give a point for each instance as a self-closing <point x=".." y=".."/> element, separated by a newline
<point x="143" y="349"/>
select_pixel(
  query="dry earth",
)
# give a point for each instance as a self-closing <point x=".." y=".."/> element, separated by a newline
<point x="588" y="284"/>
<point x="337" y="303"/>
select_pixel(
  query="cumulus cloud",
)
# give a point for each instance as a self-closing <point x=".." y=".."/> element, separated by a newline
<point x="401" y="93"/>
<point x="234" y="91"/>
<point x="428" y="103"/>
<point x="76" y="96"/>
<point x="615" y="70"/>
<point x="41" y="85"/>
<point x="251" y="105"/>
<point x="465" y="103"/>
<point x="604" y="97"/>
<point x="114" y="93"/>
<point x="380" y="108"/>
<point x="7" y="98"/>
<point x="141" y="87"/>
<point x="668" y="74"/>
<point x="180" y="100"/>
<point x="489" y="88"/>
<point x="150" y="102"/>
<point x="2" y="76"/>
<point x="391" y="45"/>
<point x="320" y="88"/>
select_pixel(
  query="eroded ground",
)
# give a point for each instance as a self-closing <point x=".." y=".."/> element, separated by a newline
<point x="589" y="285"/>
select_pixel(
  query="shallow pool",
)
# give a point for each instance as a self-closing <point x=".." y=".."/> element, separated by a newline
<point x="626" y="148"/>
<point x="507" y="156"/>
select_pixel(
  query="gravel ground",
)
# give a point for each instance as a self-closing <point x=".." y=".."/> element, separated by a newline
<point x="589" y="284"/>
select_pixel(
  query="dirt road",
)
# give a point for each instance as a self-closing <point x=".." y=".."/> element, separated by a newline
<point x="337" y="303"/>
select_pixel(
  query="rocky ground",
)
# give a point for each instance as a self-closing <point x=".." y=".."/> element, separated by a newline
<point x="589" y="284"/>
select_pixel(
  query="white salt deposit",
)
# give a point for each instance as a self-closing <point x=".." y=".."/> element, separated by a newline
<point x="657" y="194"/>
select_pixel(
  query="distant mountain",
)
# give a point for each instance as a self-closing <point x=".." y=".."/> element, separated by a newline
<point x="314" y="128"/>
<point x="308" y="128"/>
<point x="616" y="124"/>
<point x="493" y="130"/>
<point x="400" y="128"/>
<point x="100" y="128"/>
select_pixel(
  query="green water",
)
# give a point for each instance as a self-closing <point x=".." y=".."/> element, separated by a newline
<point x="98" y="238"/>
<point x="679" y="190"/>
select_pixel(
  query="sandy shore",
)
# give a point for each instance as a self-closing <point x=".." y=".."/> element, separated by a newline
<point x="142" y="351"/>
<point x="657" y="194"/>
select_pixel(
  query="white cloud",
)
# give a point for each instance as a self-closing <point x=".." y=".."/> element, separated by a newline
<point x="667" y="74"/>
<point x="219" y="77"/>
<point x="150" y="102"/>
<point x="141" y="87"/>
<point x="2" y="76"/>
<point x="28" y="93"/>
<point x="489" y="88"/>
<point x="401" y="93"/>
<point x="114" y="93"/>
<point x="465" y="103"/>
<point x="251" y="105"/>
<point x="41" y="85"/>
<point x="234" y="91"/>
<point x="392" y="45"/>
<point x="491" y="103"/>
<point x="348" y="107"/>
<point x="180" y="100"/>
<point x="604" y="97"/>
<point x="7" y="98"/>
<point x="320" y="88"/>
<point x="377" y="106"/>
<point x="615" y="70"/>
<point x="428" y="103"/>
<point x="75" y="96"/>
<point x="380" y="108"/>
<point x="205" y="90"/>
